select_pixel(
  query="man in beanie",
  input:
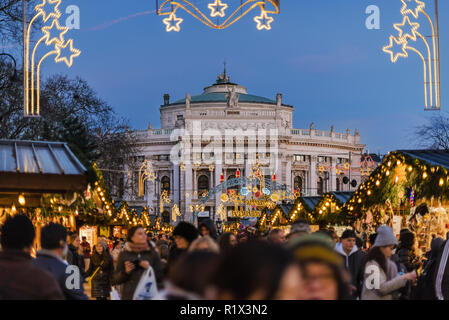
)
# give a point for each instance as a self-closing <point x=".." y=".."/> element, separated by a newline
<point x="323" y="270"/>
<point x="184" y="233"/>
<point x="353" y="256"/>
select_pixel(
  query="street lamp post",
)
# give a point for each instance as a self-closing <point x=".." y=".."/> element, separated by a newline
<point x="5" y="83"/>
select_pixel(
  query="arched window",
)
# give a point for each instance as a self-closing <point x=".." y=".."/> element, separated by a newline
<point x="203" y="184"/>
<point x="165" y="217"/>
<point x="320" y="186"/>
<point x="338" y="184"/>
<point x="297" y="184"/>
<point x="165" y="184"/>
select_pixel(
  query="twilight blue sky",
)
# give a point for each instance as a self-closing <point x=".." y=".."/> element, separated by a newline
<point x="319" y="54"/>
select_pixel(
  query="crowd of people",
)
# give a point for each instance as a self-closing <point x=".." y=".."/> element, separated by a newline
<point x="198" y="263"/>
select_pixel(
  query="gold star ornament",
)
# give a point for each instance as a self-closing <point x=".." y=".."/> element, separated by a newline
<point x="217" y="8"/>
<point x="413" y="7"/>
<point x="263" y="21"/>
<point x="67" y="59"/>
<point x="395" y="55"/>
<point x="55" y="27"/>
<point x="407" y="29"/>
<point x="56" y="14"/>
<point x="173" y="23"/>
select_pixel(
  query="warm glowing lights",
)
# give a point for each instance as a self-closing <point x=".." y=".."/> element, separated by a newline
<point x="410" y="169"/>
<point x="368" y="192"/>
<point x="387" y="173"/>
<point x="146" y="172"/>
<point x="217" y="8"/>
<point x="413" y="7"/>
<point x="263" y="21"/>
<point x="173" y="23"/>
<point x="441" y="183"/>
<point x="52" y="35"/>
<point x="399" y="47"/>
<point x="377" y="183"/>
<point x="21" y="200"/>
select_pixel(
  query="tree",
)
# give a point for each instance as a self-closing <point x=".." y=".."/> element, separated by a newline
<point x="435" y="133"/>
<point x="72" y="112"/>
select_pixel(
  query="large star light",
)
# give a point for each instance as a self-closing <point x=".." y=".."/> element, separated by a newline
<point x="393" y="47"/>
<point x="217" y="8"/>
<point x="413" y="7"/>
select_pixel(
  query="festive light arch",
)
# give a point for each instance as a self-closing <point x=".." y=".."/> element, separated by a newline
<point x="218" y="9"/>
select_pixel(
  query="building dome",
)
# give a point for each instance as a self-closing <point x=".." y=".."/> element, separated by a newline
<point x="217" y="93"/>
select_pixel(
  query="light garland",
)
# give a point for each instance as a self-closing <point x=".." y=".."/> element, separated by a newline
<point x="217" y="10"/>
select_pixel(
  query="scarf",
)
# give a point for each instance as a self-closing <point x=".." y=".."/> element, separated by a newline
<point x="441" y="269"/>
<point x="137" y="248"/>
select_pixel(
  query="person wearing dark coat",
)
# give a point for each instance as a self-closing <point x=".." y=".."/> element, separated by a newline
<point x="207" y="228"/>
<point x="184" y="234"/>
<point x="441" y="274"/>
<point x="54" y="247"/>
<point x="353" y="260"/>
<point x="74" y="258"/>
<point x="405" y="254"/>
<point x="19" y="278"/>
<point x="100" y="269"/>
<point x="136" y="257"/>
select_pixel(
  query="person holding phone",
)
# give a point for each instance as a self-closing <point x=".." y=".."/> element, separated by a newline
<point x="136" y="257"/>
<point x="381" y="279"/>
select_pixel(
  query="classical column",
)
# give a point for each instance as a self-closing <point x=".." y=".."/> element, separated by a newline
<point x="288" y="175"/>
<point x="189" y="189"/>
<point x="218" y="171"/>
<point x="333" y="175"/>
<point x="176" y="189"/>
<point x="313" y="177"/>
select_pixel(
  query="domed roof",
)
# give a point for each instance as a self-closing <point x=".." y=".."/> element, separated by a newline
<point x="218" y="91"/>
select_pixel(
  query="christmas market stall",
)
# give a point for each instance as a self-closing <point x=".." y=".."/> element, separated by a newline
<point x="410" y="189"/>
<point x="40" y="179"/>
<point x="329" y="210"/>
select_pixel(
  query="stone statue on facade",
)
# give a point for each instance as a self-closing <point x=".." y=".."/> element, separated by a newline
<point x="233" y="98"/>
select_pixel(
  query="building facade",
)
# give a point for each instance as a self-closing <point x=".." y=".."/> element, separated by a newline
<point x="308" y="161"/>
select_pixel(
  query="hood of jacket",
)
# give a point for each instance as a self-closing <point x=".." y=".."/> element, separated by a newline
<point x="339" y="249"/>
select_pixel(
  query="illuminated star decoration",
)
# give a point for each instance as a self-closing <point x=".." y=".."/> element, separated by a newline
<point x="217" y="8"/>
<point x="67" y="59"/>
<point x="55" y="27"/>
<point x="410" y="31"/>
<point x="412" y="7"/>
<point x="263" y="21"/>
<point x="173" y="23"/>
<point x="395" y="55"/>
<point x="56" y="14"/>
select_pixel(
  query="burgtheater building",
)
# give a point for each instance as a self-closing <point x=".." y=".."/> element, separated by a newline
<point x="308" y="161"/>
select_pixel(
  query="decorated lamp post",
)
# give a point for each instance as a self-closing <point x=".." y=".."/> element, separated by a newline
<point x="53" y="35"/>
<point x="408" y="33"/>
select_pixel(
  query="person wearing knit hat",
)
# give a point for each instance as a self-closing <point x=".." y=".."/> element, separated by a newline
<point x="381" y="279"/>
<point x="322" y="267"/>
<point x="184" y="233"/>
<point x="354" y="257"/>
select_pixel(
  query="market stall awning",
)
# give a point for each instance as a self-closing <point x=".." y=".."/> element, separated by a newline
<point x="311" y="202"/>
<point x="39" y="166"/>
<point x="433" y="157"/>
<point x="342" y="196"/>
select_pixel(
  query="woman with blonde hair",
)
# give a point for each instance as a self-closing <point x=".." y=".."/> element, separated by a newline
<point x="205" y="243"/>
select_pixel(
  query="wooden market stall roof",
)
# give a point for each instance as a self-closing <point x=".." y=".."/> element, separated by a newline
<point x="433" y="157"/>
<point x="39" y="166"/>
